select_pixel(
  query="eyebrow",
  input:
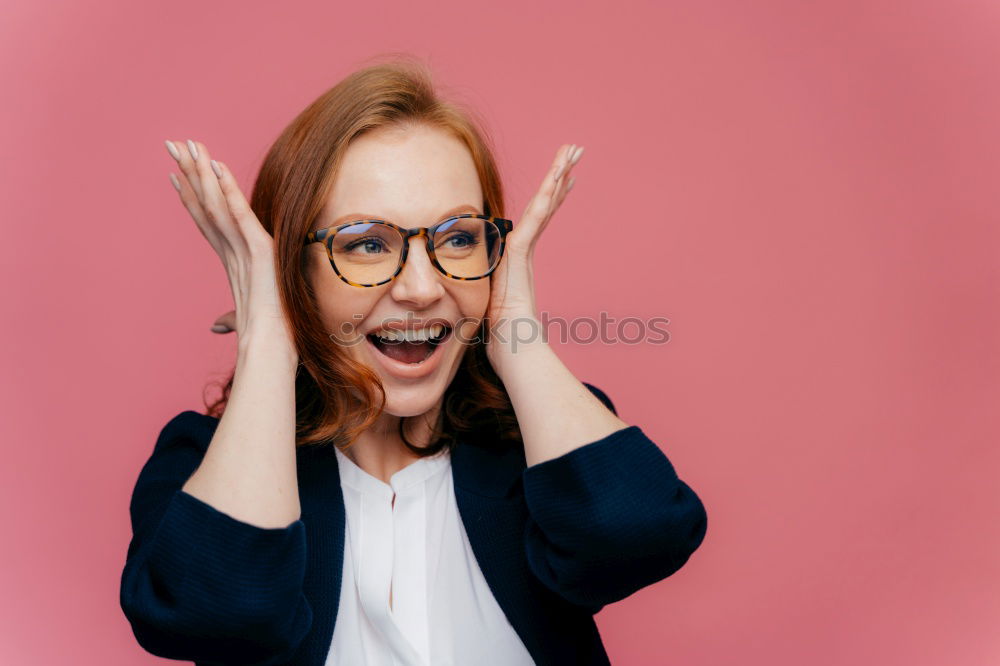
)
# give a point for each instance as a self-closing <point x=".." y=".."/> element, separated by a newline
<point x="353" y="217"/>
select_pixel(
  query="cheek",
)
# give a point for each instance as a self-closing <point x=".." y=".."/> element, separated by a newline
<point x="342" y="306"/>
<point x="473" y="299"/>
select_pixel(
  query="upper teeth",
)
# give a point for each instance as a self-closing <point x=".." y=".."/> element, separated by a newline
<point x="420" y="335"/>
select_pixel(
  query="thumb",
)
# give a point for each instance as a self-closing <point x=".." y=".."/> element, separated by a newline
<point x="226" y="323"/>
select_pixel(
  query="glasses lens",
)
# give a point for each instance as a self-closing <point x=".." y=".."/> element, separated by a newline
<point x="367" y="252"/>
<point x="467" y="247"/>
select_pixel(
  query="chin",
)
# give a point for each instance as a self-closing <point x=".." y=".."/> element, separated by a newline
<point x="413" y="400"/>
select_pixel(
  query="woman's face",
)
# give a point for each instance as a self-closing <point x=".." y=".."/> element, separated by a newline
<point x="414" y="177"/>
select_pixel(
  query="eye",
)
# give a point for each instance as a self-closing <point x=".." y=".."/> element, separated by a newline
<point x="371" y="245"/>
<point x="456" y="240"/>
<point x="462" y="240"/>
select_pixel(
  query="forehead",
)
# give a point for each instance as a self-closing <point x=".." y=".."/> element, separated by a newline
<point x="412" y="176"/>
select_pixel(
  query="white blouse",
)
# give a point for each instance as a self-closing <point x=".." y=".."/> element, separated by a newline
<point x="443" y="612"/>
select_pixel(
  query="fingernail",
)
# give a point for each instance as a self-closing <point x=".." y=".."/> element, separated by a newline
<point x="216" y="169"/>
<point x="220" y="328"/>
<point x="576" y="156"/>
<point x="176" y="183"/>
<point x="569" y="185"/>
<point x="172" y="149"/>
<point x="193" y="148"/>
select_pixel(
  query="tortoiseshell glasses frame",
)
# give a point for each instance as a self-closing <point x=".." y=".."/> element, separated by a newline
<point x="327" y="234"/>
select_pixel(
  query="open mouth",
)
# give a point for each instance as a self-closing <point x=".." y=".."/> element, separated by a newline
<point x="412" y="346"/>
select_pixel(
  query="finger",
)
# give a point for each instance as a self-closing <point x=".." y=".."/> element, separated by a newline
<point x="185" y="162"/>
<point x="216" y="227"/>
<point x="562" y="182"/>
<point x="564" y="185"/>
<point x="540" y="208"/>
<point x="245" y="219"/>
<point x="562" y="165"/>
<point x="563" y="161"/>
<point x="213" y="200"/>
<point x="189" y="187"/>
<point x="225" y="323"/>
<point x="190" y="201"/>
<point x="561" y="197"/>
<point x="566" y="182"/>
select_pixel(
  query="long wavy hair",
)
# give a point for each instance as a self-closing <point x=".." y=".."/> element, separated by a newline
<point x="336" y="398"/>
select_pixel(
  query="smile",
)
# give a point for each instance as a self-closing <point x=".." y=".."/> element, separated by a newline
<point x="409" y="353"/>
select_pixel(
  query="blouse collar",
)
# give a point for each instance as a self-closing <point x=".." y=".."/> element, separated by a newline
<point x="417" y="471"/>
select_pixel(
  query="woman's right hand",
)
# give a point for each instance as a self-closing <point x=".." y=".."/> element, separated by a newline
<point x="213" y="198"/>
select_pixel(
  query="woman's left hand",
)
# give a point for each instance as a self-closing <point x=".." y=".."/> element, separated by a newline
<point x="511" y="313"/>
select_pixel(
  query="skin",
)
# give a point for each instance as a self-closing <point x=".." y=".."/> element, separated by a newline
<point x="250" y="469"/>
<point x="417" y="177"/>
<point x="414" y="177"/>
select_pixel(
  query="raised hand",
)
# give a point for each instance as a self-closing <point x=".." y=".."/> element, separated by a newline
<point x="213" y="198"/>
<point x="512" y="297"/>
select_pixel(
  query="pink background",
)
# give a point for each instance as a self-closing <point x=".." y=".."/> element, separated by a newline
<point x="811" y="194"/>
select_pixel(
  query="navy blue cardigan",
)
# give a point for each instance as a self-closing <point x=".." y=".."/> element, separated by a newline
<point x="555" y="541"/>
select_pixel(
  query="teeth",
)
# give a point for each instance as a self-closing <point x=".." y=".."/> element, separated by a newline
<point x="421" y="335"/>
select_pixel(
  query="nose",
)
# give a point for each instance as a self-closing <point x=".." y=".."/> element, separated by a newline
<point x="419" y="283"/>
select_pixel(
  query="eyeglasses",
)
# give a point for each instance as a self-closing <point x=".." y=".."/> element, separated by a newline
<point x="367" y="253"/>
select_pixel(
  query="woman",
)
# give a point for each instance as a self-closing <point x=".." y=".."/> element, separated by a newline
<point x="399" y="476"/>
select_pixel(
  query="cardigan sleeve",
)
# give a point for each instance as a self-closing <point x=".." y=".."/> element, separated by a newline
<point x="609" y="518"/>
<point x="199" y="584"/>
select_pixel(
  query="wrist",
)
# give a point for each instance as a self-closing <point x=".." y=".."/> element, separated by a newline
<point x="519" y="347"/>
<point x="268" y="339"/>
